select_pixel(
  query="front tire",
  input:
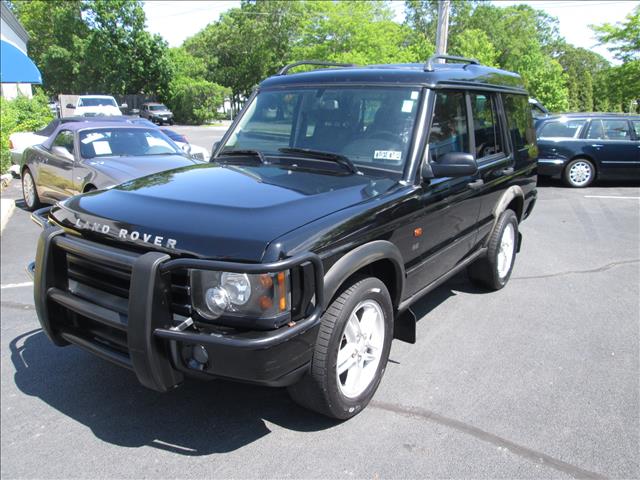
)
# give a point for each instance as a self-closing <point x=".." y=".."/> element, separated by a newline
<point x="494" y="270"/>
<point x="351" y="351"/>
<point x="579" y="173"/>
<point x="29" y="191"/>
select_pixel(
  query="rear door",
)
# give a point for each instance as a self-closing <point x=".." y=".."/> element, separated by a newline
<point x="612" y="147"/>
<point x="446" y="227"/>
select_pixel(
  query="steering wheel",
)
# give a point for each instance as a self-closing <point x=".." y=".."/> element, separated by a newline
<point x="384" y="135"/>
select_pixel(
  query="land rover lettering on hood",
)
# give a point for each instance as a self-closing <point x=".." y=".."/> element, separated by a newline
<point x="337" y="198"/>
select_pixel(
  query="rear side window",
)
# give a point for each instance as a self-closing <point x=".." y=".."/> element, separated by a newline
<point x="609" y="130"/>
<point x="562" y="129"/>
<point x="636" y="127"/>
<point x="520" y="121"/>
<point x="486" y="126"/>
<point x="449" y="131"/>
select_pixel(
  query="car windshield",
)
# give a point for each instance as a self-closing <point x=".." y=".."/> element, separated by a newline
<point x="156" y="108"/>
<point x="371" y="127"/>
<point x="125" y="142"/>
<point x="97" y="102"/>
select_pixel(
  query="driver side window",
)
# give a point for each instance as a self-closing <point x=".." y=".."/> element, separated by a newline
<point x="64" y="139"/>
<point x="449" y="132"/>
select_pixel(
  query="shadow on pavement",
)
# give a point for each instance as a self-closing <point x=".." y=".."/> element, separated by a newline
<point x="195" y="419"/>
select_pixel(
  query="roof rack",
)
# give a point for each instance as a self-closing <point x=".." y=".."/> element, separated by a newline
<point x="428" y="67"/>
<point x="284" y="70"/>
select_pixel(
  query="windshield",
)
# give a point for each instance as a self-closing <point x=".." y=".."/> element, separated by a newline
<point x="96" y="102"/>
<point x="124" y="142"/>
<point x="156" y="108"/>
<point x="372" y="127"/>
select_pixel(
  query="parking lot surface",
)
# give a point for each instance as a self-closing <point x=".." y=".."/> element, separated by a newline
<point x="540" y="379"/>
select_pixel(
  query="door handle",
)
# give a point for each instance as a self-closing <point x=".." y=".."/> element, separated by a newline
<point x="507" y="171"/>
<point x="597" y="145"/>
<point x="476" y="185"/>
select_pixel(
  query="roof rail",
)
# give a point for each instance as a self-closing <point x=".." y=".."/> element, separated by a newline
<point x="428" y="67"/>
<point x="284" y="70"/>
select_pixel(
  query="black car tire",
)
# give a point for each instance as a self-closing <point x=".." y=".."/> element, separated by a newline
<point x="35" y="199"/>
<point x="322" y="389"/>
<point x="579" y="173"/>
<point x="490" y="271"/>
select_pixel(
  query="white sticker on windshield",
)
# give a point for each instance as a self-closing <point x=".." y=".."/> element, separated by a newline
<point x="414" y="95"/>
<point x="92" y="137"/>
<point x="101" y="148"/>
<point x="407" y="106"/>
<point x="387" y="155"/>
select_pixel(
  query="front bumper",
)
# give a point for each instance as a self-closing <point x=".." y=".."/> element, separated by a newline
<point x="143" y="335"/>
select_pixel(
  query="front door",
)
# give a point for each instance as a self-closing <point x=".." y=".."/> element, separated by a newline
<point x="446" y="227"/>
<point x="57" y="173"/>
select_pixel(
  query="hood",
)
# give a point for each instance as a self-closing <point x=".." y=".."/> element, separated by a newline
<point x="214" y="211"/>
<point x="98" y="110"/>
<point x="121" y="169"/>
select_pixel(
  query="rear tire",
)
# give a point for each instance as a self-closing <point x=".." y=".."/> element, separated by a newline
<point x="579" y="173"/>
<point x="29" y="191"/>
<point x="494" y="270"/>
<point x="351" y="351"/>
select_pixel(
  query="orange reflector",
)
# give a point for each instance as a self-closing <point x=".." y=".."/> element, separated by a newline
<point x="417" y="232"/>
<point x="265" y="303"/>
<point x="266" y="281"/>
<point x="282" y="291"/>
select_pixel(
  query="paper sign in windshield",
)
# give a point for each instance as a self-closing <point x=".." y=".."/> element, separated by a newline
<point x="101" y="148"/>
<point x="387" y="155"/>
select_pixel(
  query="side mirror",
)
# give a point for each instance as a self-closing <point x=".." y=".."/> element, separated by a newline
<point x="62" y="152"/>
<point x="69" y="105"/>
<point x="454" y="164"/>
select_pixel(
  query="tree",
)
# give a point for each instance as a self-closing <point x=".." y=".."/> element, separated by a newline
<point x="581" y="67"/>
<point x="474" y="43"/>
<point x="94" y="46"/>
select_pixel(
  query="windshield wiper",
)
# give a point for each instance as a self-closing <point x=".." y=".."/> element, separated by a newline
<point x="253" y="153"/>
<point x="335" y="157"/>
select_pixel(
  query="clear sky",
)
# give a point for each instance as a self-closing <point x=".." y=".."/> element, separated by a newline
<point x="178" y="20"/>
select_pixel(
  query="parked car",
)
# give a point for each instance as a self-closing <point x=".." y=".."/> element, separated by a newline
<point x="583" y="147"/>
<point x="294" y="256"/>
<point x="79" y="157"/>
<point x="199" y="153"/>
<point x="96" y="105"/>
<point x="156" y="113"/>
<point x="19" y="141"/>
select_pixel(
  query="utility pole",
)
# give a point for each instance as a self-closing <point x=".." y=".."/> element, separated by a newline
<point x="443" y="27"/>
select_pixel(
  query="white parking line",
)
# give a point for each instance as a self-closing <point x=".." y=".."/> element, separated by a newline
<point x="611" y="196"/>
<point x="16" y="285"/>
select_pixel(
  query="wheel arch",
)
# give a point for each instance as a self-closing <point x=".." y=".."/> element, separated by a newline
<point x="512" y="198"/>
<point x="379" y="258"/>
<point x="89" y="186"/>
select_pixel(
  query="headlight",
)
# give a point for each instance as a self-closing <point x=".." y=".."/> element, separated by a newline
<point x="216" y="294"/>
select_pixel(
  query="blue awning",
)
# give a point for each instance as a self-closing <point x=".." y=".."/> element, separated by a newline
<point x="15" y="66"/>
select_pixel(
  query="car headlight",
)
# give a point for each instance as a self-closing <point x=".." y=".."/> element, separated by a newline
<point x="216" y="294"/>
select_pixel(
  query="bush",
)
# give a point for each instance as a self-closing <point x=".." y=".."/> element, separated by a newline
<point x="20" y="115"/>
<point x="195" y="101"/>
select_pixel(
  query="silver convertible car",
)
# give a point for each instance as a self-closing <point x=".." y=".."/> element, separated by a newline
<point x="80" y="157"/>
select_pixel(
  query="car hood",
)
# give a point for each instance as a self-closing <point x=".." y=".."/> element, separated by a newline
<point x="100" y="110"/>
<point x="122" y="169"/>
<point x="160" y="112"/>
<point x="214" y="211"/>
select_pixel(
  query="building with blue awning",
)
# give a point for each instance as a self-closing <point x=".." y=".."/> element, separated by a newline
<point x="17" y="70"/>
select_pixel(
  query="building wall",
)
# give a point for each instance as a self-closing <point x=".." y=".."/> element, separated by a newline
<point x="12" y="32"/>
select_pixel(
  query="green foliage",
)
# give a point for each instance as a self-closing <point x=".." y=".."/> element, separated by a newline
<point x="195" y="100"/>
<point x="20" y="115"/>
<point x="474" y="43"/>
<point x="624" y="37"/>
<point x="97" y="46"/>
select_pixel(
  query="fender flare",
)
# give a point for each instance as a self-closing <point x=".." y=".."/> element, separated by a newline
<point x="360" y="257"/>
<point x="514" y="191"/>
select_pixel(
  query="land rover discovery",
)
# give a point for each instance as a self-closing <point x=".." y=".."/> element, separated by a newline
<point x="338" y="198"/>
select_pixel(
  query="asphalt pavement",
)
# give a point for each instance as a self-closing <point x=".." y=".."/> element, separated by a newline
<point x="540" y="379"/>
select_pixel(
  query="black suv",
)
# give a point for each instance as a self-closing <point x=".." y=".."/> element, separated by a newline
<point x="337" y="199"/>
<point x="580" y="147"/>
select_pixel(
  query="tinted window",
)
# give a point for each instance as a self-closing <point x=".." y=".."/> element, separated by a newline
<point x="449" y="126"/>
<point x="562" y="129"/>
<point x="485" y="125"/>
<point x="636" y="127"/>
<point x="64" y="139"/>
<point x="520" y="121"/>
<point x="616" y="129"/>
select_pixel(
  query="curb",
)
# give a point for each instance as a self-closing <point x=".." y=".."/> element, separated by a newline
<point x="7" y="206"/>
